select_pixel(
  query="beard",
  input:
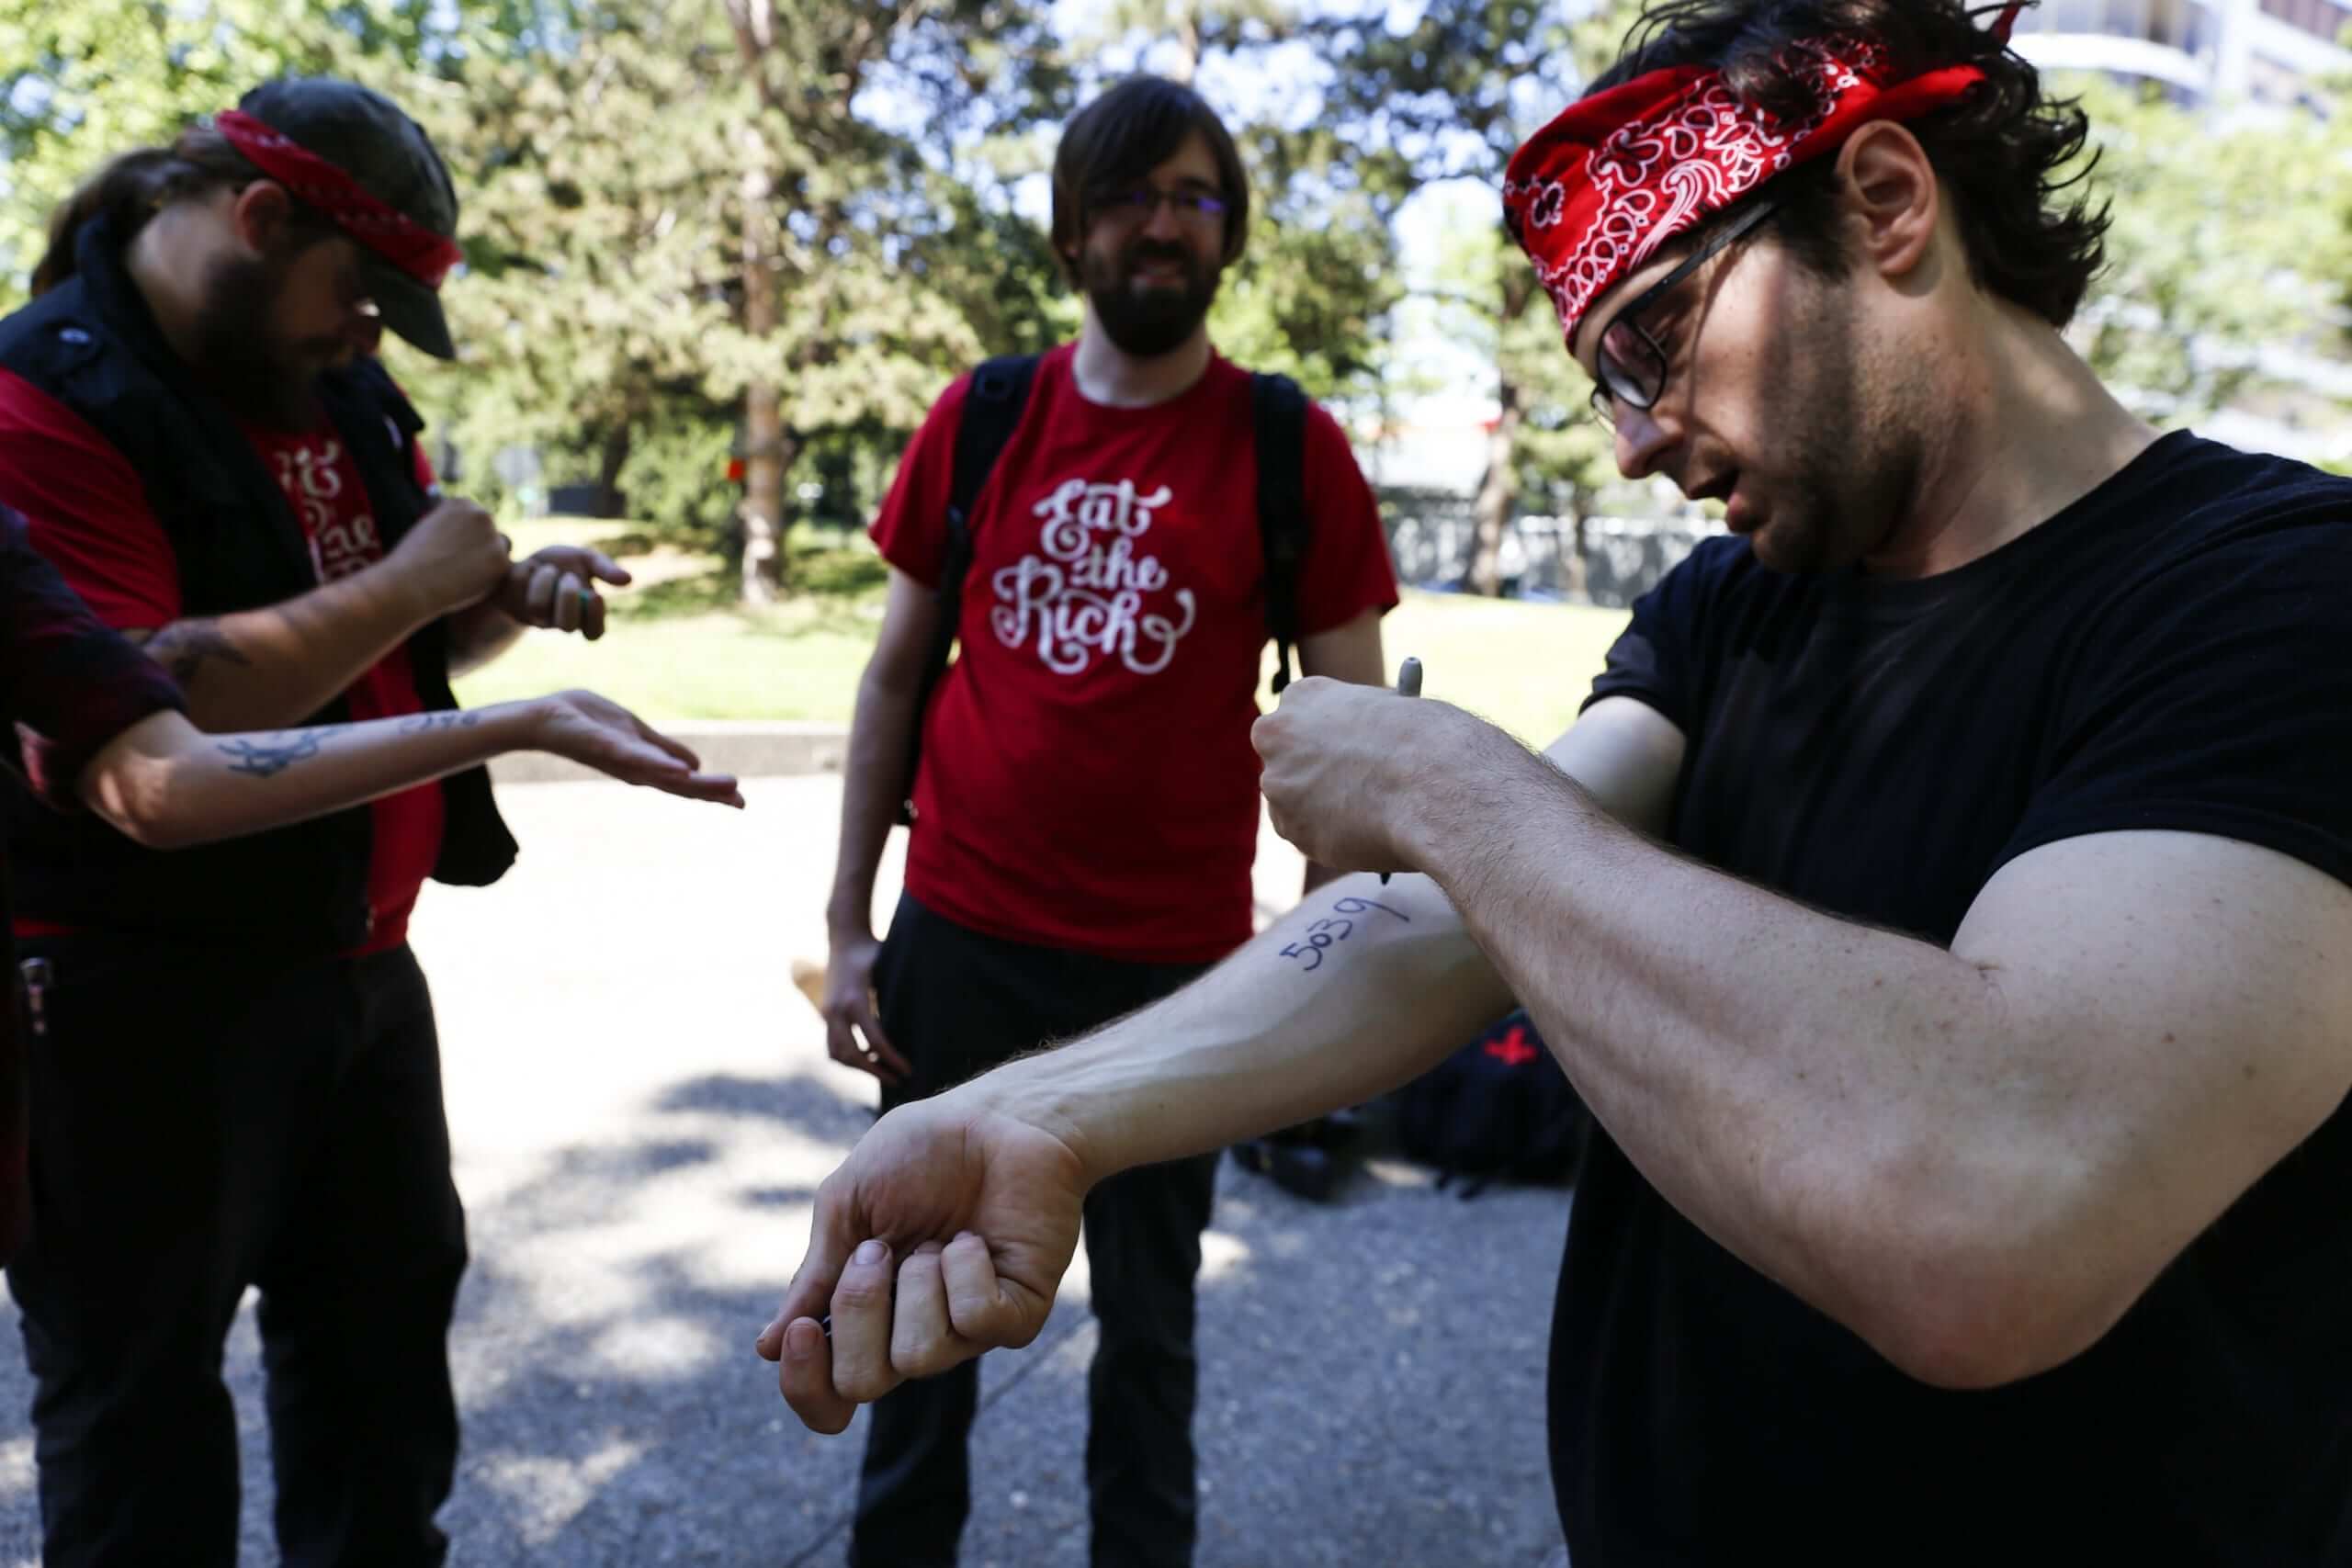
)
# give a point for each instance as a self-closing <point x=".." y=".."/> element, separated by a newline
<point x="1850" y="455"/>
<point x="262" y="376"/>
<point x="1148" y="322"/>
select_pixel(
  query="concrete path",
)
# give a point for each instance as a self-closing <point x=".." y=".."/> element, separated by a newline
<point x="642" y="1107"/>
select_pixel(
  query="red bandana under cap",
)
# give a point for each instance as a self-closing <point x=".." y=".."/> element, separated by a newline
<point x="383" y="228"/>
<point x="1594" y="194"/>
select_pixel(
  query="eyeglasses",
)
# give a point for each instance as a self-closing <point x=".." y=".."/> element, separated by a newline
<point x="1630" y="365"/>
<point x="1135" y="206"/>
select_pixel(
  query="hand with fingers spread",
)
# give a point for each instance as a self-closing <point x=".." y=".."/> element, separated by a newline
<point x="945" y="1233"/>
<point x="552" y="588"/>
<point x="854" y="1034"/>
<point x="599" y="733"/>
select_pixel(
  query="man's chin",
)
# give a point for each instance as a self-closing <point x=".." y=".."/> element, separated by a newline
<point x="1782" y="546"/>
<point x="1149" y="334"/>
<point x="291" y="405"/>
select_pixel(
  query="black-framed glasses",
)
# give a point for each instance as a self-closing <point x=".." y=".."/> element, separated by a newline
<point x="1135" y="205"/>
<point x="1629" y="365"/>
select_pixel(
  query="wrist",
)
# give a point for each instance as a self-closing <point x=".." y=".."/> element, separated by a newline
<point x="1442" y="786"/>
<point x="526" y="724"/>
<point x="411" y="597"/>
<point x="1030" y="1092"/>
<point x="849" y="919"/>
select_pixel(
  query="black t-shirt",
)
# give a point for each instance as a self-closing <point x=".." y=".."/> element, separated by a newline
<point x="2173" y="652"/>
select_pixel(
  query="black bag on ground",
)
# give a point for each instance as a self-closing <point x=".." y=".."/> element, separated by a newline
<point x="1307" y="1161"/>
<point x="1499" y="1109"/>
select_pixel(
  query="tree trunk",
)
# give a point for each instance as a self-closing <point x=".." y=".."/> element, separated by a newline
<point x="1498" y="494"/>
<point x="1188" y="38"/>
<point x="1577" y="576"/>
<point x="762" y="509"/>
<point x="617" y="440"/>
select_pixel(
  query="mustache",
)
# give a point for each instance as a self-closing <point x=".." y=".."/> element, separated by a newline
<point x="1144" y="251"/>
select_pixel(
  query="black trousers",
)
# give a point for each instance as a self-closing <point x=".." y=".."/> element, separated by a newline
<point x="956" y="1003"/>
<point x="204" y="1122"/>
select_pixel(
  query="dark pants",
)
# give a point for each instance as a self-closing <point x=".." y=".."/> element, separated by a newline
<point x="957" y="1003"/>
<point x="202" y="1122"/>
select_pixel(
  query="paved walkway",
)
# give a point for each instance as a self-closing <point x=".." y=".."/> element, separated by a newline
<point x="641" y="1107"/>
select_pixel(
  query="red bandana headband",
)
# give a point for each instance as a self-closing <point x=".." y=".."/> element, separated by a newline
<point x="390" y="233"/>
<point x="1594" y="194"/>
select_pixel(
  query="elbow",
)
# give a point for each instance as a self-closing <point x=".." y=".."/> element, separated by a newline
<point x="1987" y="1335"/>
<point x="149" y="827"/>
<point x="1988" y="1282"/>
<point x="139" y="808"/>
<point x="1975" y="1343"/>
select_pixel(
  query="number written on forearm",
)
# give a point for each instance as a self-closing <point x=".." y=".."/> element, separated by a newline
<point x="1336" y="928"/>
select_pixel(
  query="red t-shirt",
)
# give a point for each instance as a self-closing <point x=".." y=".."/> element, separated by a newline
<point x="1088" y="781"/>
<point x="88" y="515"/>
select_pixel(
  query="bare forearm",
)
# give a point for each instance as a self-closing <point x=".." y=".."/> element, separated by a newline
<point x="168" y="784"/>
<point x="478" y="635"/>
<point x="881" y="731"/>
<point x="273" y="667"/>
<point x="1825" y="1100"/>
<point x="1377" y="984"/>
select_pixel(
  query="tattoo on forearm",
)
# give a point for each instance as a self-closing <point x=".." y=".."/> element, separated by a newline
<point x="1334" y="929"/>
<point x="184" y="646"/>
<point x="265" y="759"/>
<point x="425" y="723"/>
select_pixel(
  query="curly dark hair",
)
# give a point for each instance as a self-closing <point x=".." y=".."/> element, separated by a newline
<point x="2033" y="236"/>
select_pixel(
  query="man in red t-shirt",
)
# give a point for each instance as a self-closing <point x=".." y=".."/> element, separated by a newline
<point x="194" y="424"/>
<point x="1086" y="810"/>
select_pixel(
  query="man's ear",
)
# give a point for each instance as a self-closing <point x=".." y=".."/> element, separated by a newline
<point x="259" y="215"/>
<point x="1891" y="198"/>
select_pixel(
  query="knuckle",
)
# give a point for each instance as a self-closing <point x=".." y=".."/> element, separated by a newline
<point x="862" y="1287"/>
<point x="924" y="1360"/>
<point x="862" y="1385"/>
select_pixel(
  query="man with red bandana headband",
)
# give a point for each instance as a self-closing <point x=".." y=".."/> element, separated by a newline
<point x="1086" y="804"/>
<point x="1942" y="901"/>
<point x="240" y="1079"/>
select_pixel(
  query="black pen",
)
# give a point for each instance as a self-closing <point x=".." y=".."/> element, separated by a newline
<point x="1409" y="684"/>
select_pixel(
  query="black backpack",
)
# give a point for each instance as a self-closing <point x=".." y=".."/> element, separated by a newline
<point x="1499" y="1109"/>
<point x="992" y="407"/>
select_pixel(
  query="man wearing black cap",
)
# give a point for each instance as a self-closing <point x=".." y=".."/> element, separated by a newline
<point x="239" y="1077"/>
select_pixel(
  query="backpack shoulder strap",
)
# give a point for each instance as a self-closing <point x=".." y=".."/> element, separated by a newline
<point x="992" y="407"/>
<point x="1278" y="413"/>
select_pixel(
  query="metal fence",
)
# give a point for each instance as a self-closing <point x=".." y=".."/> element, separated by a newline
<point x="1607" y="561"/>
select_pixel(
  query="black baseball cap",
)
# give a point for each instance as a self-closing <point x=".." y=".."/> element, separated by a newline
<point x="364" y="134"/>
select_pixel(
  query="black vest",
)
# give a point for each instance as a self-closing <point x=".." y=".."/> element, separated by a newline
<point x="92" y="344"/>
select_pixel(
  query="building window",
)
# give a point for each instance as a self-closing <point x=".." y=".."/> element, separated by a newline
<point x="2322" y="19"/>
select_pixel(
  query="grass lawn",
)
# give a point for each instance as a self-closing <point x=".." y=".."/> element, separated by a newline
<point x="677" y="647"/>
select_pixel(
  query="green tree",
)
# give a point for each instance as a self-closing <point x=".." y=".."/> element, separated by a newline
<point x="681" y="222"/>
<point x="2216" y="258"/>
<point x="681" y="211"/>
<point x="79" y="83"/>
<point x="1452" y="97"/>
<point x="1311" y="296"/>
